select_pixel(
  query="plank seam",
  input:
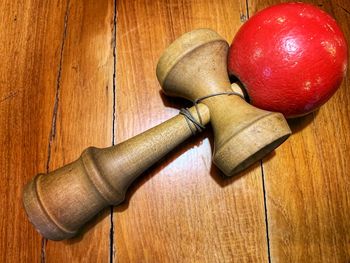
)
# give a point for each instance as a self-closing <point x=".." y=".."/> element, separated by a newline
<point x="55" y="111"/>
<point x="247" y="8"/>
<point x="263" y="184"/>
<point x="112" y="249"/>
<point x="265" y="211"/>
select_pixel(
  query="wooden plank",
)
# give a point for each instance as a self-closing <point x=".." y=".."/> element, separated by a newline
<point x="182" y="210"/>
<point x="84" y="115"/>
<point x="31" y="35"/>
<point x="307" y="181"/>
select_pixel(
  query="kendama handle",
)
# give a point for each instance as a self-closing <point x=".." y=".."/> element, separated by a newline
<point x="60" y="202"/>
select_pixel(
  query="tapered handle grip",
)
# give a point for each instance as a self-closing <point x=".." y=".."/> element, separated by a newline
<point x="59" y="203"/>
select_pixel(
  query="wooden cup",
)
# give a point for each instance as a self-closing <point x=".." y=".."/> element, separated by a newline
<point x="195" y="66"/>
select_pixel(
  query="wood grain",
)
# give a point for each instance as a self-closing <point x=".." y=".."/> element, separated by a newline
<point x="30" y="43"/>
<point x="56" y="98"/>
<point x="182" y="210"/>
<point x="84" y="113"/>
<point x="307" y="181"/>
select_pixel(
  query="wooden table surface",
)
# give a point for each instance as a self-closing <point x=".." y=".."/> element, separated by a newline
<point x="80" y="73"/>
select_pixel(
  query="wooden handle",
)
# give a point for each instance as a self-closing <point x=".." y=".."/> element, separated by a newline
<point x="60" y="202"/>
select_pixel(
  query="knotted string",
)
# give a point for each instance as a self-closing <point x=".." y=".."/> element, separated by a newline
<point x="197" y="126"/>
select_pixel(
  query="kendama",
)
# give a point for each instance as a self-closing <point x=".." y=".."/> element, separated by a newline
<point x="194" y="67"/>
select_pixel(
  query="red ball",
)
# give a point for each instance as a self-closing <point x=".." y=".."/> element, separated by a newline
<point x="290" y="57"/>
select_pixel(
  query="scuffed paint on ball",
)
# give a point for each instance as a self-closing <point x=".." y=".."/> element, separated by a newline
<point x="290" y="57"/>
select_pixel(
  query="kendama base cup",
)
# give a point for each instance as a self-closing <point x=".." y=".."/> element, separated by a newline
<point x="195" y="66"/>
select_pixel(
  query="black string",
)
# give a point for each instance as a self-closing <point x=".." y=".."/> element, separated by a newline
<point x="197" y="126"/>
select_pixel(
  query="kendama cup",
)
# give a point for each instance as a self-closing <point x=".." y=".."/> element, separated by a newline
<point x="195" y="66"/>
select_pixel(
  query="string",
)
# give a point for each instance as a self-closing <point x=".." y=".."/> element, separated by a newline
<point x="197" y="126"/>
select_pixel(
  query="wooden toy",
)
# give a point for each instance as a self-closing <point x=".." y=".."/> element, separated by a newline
<point x="193" y="67"/>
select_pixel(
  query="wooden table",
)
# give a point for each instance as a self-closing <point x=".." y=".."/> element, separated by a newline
<point x="81" y="73"/>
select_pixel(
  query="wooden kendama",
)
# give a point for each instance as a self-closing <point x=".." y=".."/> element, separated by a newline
<point x="193" y="67"/>
<point x="279" y="73"/>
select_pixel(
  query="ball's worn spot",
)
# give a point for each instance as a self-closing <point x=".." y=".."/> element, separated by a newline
<point x="290" y="57"/>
